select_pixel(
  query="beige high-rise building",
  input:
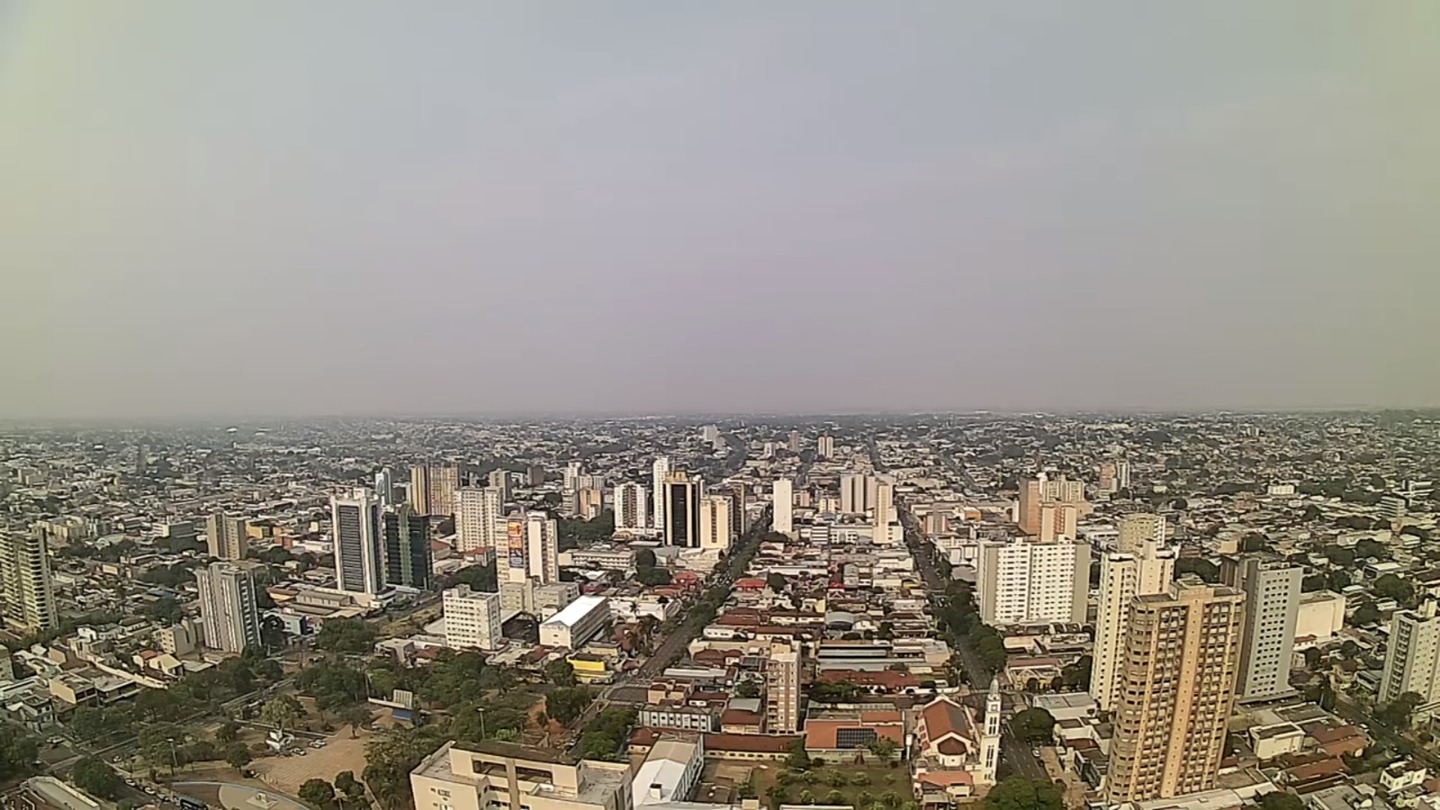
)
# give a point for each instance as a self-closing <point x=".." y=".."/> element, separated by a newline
<point x="1412" y="659"/>
<point x="1182" y="655"/>
<point x="589" y="502"/>
<point x="854" y="493"/>
<point x="1139" y="529"/>
<point x="883" y="509"/>
<point x="432" y="489"/>
<point x="27" y="595"/>
<point x="782" y="502"/>
<point x="716" y="531"/>
<point x="1028" y="512"/>
<point x="225" y="537"/>
<point x="499" y="479"/>
<point x="1272" y="603"/>
<point x="228" y="612"/>
<point x="1050" y="508"/>
<point x="825" y="447"/>
<point x="782" y="689"/>
<point x="1148" y="569"/>
<point x="1058" y="520"/>
<point x="479" y="517"/>
<point x="542" y="540"/>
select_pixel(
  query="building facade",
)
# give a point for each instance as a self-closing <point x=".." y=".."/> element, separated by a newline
<point x="659" y="474"/>
<point x="479" y="514"/>
<point x="1177" y="691"/>
<point x="782" y="689"/>
<point x="1412" y="661"/>
<point x="716" y="530"/>
<point x="28" y="597"/>
<point x="682" y="510"/>
<point x="408" y="560"/>
<point x="1148" y="569"/>
<point x="472" y="619"/>
<point x="1028" y="582"/>
<point x="1267" y="642"/>
<point x="631" y="507"/>
<point x="355" y="524"/>
<point x="226" y="537"/>
<point x="228" y="614"/>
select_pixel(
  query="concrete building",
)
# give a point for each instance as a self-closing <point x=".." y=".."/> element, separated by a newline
<point x="576" y="624"/>
<point x="542" y="544"/>
<point x="782" y="689"/>
<point x="1412" y="661"/>
<point x="1049" y="508"/>
<point x="408" y="560"/>
<point x="854" y="493"/>
<point x="1178" y="689"/>
<point x="1028" y="582"/>
<point x="825" y="446"/>
<point x="1058" y="521"/>
<point x="27" y="593"/>
<point x="355" y="524"/>
<point x="1320" y="617"/>
<point x="228" y="614"/>
<point x="716" y="531"/>
<point x="884" y="509"/>
<point x="479" y="516"/>
<point x="659" y="474"/>
<point x="671" y="770"/>
<point x="499" y="480"/>
<point x="493" y="775"/>
<point x="432" y="489"/>
<point x="782" y="501"/>
<point x="1267" y="640"/>
<point x="472" y="619"/>
<point x="1138" y="530"/>
<point x="681" y="496"/>
<point x="1146" y="569"/>
<point x="225" y="537"/>
<point x="589" y="502"/>
<point x="630" y="506"/>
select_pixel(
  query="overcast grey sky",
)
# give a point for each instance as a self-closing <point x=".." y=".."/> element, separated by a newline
<point x="357" y="207"/>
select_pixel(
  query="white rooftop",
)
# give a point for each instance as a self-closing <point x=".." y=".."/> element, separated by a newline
<point x="577" y="610"/>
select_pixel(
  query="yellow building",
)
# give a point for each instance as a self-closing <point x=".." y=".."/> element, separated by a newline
<point x="591" y="668"/>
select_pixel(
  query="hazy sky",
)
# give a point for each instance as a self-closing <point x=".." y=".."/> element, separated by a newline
<point x="355" y="207"/>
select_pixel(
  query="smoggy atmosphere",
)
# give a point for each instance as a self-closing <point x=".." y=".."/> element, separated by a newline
<point x="667" y="207"/>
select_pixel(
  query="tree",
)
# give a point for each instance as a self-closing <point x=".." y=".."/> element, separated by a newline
<point x="1077" y="675"/>
<point x="1313" y="582"/>
<point x="883" y="747"/>
<point x="886" y="631"/>
<point x="798" y="759"/>
<point x="1338" y="580"/>
<point x="356" y="715"/>
<point x="228" y="731"/>
<point x="748" y="688"/>
<point x="644" y="558"/>
<point x="1370" y="548"/>
<point x="1254" y="541"/>
<point x="237" y="754"/>
<point x="1349" y="648"/>
<point x="165" y="610"/>
<point x="1281" y="801"/>
<point x="281" y="711"/>
<point x="1201" y="567"/>
<point x="1033" y="725"/>
<point x="1019" y="793"/>
<point x="1339" y="555"/>
<point x="776" y="582"/>
<point x="348" y="636"/>
<point x="560" y="673"/>
<point x="95" y="777"/>
<point x="1312" y="657"/>
<point x="352" y="788"/>
<point x="652" y="577"/>
<point x="318" y="793"/>
<point x="1397" y="714"/>
<point x="1365" y="614"/>
<point x="1393" y="587"/>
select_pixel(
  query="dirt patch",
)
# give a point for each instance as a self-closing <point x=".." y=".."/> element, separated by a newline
<point x="340" y="753"/>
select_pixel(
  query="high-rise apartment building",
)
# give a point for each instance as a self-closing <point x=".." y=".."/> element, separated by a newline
<point x="682" y="509"/>
<point x="1138" y="530"/>
<point x="1146" y="569"/>
<point x="883" y="510"/>
<point x="782" y="689"/>
<point x="408" y="560"/>
<point x="659" y="474"/>
<point x="1412" y="659"/>
<point x="1177" y="690"/>
<point x="226" y="537"/>
<point x="385" y="487"/>
<point x="1028" y="511"/>
<point x="825" y="446"/>
<point x="499" y="480"/>
<point x="479" y="512"/>
<point x="432" y="489"/>
<point x="854" y="493"/>
<point x="1122" y="473"/>
<point x="472" y="619"/>
<point x="1267" y="638"/>
<point x="27" y="594"/>
<point x="1106" y="478"/>
<point x="782" y="498"/>
<point x="1058" y="520"/>
<point x="1049" y="508"/>
<point x="228" y="614"/>
<point x="716" y="530"/>
<point x="739" y="503"/>
<point x="542" y="542"/>
<point x="794" y="442"/>
<point x="1029" y="582"/>
<point x="355" y="524"/>
<point x="589" y="502"/>
<point x="630" y="507"/>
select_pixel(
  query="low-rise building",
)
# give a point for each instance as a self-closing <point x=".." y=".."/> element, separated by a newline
<point x="489" y="775"/>
<point x="576" y="624"/>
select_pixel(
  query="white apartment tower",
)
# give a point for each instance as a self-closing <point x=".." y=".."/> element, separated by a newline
<point x="659" y="472"/>
<point x="825" y="446"/>
<point x="1145" y="568"/>
<point x="1029" y="582"/>
<point x="228" y="613"/>
<point x="854" y="493"/>
<point x="630" y="507"/>
<point x="355" y="524"/>
<point x="542" y="542"/>
<point x="1412" y="662"/>
<point x="472" y="619"/>
<point x="783" y="509"/>
<point x="479" y="514"/>
<point x="1267" y="633"/>
<point x="716" y="530"/>
<point x="28" y="596"/>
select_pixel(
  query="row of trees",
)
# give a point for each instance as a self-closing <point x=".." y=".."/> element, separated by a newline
<point x="324" y="795"/>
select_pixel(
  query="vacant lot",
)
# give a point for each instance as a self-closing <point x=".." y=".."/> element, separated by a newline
<point x="340" y="753"/>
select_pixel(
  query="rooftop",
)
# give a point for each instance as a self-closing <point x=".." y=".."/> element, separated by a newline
<point x="577" y="610"/>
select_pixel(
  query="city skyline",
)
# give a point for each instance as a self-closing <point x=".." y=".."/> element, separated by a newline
<point x="815" y="207"/>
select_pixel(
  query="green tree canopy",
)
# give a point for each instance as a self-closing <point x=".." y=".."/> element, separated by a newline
<point x="95" y="777"/>
<point x="1019" y="793"/>
<point x="348" y="636"/>
<point x="1033" y="725"/>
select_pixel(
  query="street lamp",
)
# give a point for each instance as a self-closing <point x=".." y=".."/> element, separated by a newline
<point x="481" y="710"/>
